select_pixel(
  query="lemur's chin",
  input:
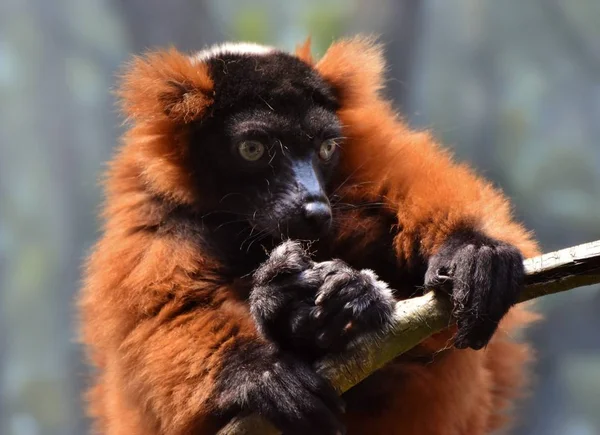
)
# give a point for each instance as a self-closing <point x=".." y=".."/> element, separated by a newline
<point x="311" y="222"/>
<point x="304" y="232"/>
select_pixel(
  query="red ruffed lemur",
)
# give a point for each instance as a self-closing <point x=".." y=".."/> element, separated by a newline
<point x="201" y="301"/>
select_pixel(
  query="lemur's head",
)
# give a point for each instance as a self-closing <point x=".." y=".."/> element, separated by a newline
<point x="243" y="131"/>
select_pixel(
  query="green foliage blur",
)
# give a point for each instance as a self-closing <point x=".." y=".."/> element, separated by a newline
<point x="512" y="87"/>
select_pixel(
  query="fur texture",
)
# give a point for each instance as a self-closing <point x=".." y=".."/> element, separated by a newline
<point x="185" y="330"/>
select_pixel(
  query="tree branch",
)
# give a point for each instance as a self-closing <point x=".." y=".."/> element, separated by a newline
<point x="418" y="318"/>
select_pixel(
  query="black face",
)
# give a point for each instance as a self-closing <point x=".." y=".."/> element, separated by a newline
<point x="269" y="147"/>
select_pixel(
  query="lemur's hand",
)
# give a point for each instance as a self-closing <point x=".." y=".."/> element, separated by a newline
<point x="316" y="308"/>
<point x="258" y="378"/>
<point x="485" y="277"/>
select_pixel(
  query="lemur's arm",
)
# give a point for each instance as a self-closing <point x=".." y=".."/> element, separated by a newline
<point x="454" y="221"/>
<point x="446" y="215"/>
<point x="184" y="348"/>
<point x="463" y="227"/>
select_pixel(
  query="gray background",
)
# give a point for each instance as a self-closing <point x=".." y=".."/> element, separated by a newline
<point x="512" y="86"/>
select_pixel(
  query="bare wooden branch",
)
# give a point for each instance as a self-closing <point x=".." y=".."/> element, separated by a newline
<point x="418" y="318"/>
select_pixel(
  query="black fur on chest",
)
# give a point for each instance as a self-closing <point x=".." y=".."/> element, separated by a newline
<point x="372" y="247"/>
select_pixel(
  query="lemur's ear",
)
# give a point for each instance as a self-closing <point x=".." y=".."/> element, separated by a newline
<point x="303" y="51"/>
<point x="166" y="85"/>
<point x="355" y="67"/>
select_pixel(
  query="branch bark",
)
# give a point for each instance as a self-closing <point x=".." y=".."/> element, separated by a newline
<point x="418" y="318"/>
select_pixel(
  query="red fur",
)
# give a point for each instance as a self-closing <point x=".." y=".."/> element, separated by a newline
<point x="303" y="51"/>
<point x="466" y="392"/>
<point x="157" y="359"/>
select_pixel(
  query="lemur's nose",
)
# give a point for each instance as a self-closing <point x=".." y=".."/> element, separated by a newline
<point x="318" y="215"/>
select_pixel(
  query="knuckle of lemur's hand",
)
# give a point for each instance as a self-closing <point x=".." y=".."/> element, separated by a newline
<point x="349" y="302"/>
<point x="312" y="307"/>
<point x="484" y="276"/>
<point x="287" y="259"/>
<point x="287" y="391"/>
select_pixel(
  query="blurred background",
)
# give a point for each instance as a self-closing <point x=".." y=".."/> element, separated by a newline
<point x="512" y="86"/>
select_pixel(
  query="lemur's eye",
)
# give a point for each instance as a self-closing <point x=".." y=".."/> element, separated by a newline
<point x="251" y="150"/>
<point x="327" y="149"/>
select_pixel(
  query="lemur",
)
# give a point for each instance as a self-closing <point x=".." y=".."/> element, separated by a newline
<point x="266" y="209"/>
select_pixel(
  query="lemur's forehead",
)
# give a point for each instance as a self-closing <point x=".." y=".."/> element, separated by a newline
<point x="247" y="73"/>
<point x="244" y="48"/>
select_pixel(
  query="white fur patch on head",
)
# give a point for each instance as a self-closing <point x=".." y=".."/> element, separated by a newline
<point x="232" y="48"/>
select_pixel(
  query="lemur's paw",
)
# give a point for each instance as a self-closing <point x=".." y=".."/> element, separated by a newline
<point x="288" y="392"/>
<point x="349" y="302"/>
<point x="485" y="277"/>
<point x="283" y="296"/>
<point x="313" y="308"/>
